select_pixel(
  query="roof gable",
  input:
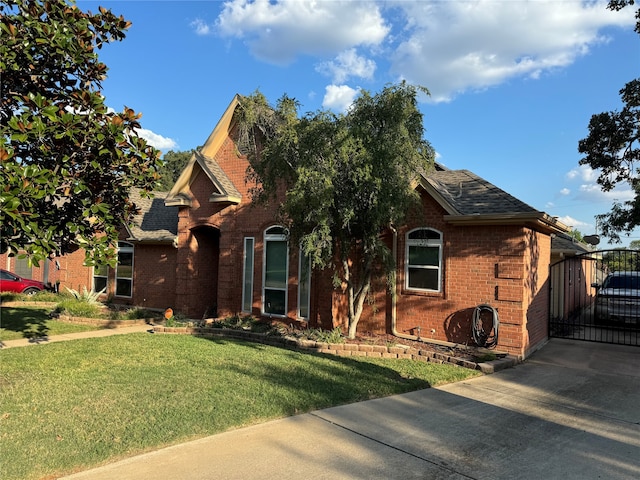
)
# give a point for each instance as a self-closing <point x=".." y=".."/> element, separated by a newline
<point x="223" y="188"/>
<point x="471" y="200"/>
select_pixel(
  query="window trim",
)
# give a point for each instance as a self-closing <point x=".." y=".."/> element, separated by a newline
<point x="248" y="292"/>
<point x="105" y="276"/>
<point x="274" y="237"/>
<point x="429" y="243"/>
<point x="125" y="247"/>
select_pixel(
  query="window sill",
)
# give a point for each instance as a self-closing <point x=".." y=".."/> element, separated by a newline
<point x="421" y="293"/>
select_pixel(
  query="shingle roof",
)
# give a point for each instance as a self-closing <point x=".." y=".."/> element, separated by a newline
<point x="468" y="194"/>
<point x="565" y="243"/>
<point x="227" y="186"/>
<point x="155" y="222"/>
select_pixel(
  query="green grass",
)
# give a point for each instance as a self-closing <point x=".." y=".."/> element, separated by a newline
<point x="73" y="405"/>
<point x="32" y="322"/>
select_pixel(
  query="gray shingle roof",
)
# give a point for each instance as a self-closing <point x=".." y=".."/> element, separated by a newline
<point x="468" y="194"/>
<point x="229" y="189"/>
<point x="565" y="243"/>
<point x="155" y="222"/>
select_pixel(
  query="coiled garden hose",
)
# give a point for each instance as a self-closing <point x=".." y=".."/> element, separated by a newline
<point x="487" y="339"/>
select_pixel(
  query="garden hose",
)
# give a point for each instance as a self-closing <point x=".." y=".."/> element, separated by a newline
<point x="487" y="339"/>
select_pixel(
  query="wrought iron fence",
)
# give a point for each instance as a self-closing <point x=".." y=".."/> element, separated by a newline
<point x="595" y="296"/>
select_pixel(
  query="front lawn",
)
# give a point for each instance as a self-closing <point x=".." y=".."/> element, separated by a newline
<point x="32" y="322"/>
<point x="69" y="406"/>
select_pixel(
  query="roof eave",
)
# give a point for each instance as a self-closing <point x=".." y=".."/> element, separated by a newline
<point x="430" y="187"/>
<point x="539" y="221"/>
<point x="217" y="198"/>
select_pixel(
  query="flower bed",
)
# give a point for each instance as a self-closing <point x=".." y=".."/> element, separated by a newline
<point x="427" y="353"/>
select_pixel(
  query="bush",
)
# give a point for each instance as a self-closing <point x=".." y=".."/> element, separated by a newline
<point x="87" y="296"/>
<point x="137" y="313"/>
<point x="78" y="308"/>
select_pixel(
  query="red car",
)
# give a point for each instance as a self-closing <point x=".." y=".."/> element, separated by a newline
<point x="10" y="282"/>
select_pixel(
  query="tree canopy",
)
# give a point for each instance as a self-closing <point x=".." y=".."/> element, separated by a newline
<point x="342" y="179"/>
<point x="68" y="162"/>
<point x="172" y="165"/>
<point x="613" y="148"/>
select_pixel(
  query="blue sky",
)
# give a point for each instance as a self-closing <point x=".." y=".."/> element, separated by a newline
<point x="513" y="83"/>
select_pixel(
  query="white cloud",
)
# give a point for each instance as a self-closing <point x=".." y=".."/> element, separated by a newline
<point x="347" y="64"/>
<point x="155" y="140"/>
<point x="450" y="47"/>
<point x="584" y="173"/>
<point x="339" y="97"/>
<point x="565" y="191"/>
<point x="277" y="32"/>
<point x="592" y="192"/>
<point x="572" y="222"/>
<point x="200" y="27"/>
<point x="460" y="46"/>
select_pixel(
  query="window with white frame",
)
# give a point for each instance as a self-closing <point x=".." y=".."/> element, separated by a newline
<point x="304" y="285"/>
<point x="247" y="275"/>
<point x="100" y="276"/>
<point x="423" y="260"/>
<point x="124" y="270"/>
<point x="275" y="272"/>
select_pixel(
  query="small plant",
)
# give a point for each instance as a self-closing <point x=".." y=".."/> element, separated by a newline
<point x="486" y="357"/>
<point x="137" y="313"/>
<point x="88" y="296"/>
<point x="324" y="336"/>
<point x="78" y="308"/>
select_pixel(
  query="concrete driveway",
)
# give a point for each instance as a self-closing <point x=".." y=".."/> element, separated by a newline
<point x="572" y="410"/>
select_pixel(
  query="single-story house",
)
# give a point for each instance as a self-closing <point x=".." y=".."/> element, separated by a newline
<point x="204" y="250"/>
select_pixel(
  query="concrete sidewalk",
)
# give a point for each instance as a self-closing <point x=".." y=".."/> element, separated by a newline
<point x="105" y="332"/>
<point x="571" y="411"/>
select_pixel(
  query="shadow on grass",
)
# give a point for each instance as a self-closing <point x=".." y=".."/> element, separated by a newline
<point x="30" y="322"/>
<point x="337" y="380"/>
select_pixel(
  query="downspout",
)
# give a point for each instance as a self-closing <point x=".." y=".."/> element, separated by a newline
<point x="394" y="296"/>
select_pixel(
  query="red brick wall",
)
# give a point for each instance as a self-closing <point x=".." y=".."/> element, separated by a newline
<point x="71" y="272"/>
<point x="154" y="281"/>
<point x="503" y="266"/>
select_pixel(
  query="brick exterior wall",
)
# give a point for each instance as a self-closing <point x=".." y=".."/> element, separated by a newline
<point x="505" y="266"/>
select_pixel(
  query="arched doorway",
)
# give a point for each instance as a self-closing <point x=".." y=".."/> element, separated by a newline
<point x="200" y="273"/>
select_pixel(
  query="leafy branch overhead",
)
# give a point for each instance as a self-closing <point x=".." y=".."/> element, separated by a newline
<point x="612" y="147"/>
<point x="68" y="162"/>
<point x="340" y="180"/>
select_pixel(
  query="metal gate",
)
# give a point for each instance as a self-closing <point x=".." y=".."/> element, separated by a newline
<point x="595" y="296"/>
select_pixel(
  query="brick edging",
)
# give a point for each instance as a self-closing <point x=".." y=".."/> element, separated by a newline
<point x="340" y="349"/>
<point x="104" y="322"/>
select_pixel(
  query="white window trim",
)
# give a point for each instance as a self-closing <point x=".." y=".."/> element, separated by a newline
<point x="424" y="243"/>
<point x="274" y="237"/>
<point x="244" y="273"/>
<point x="94" y="276"/>
<point x="301" y="257"/>
<point x="128" y="248"/>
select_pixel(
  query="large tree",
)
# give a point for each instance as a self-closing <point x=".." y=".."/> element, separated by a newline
<point x="68" y="162"/>
<point x="342" y="179"/>
<point x="613" y="148"/>
<point x="173" y="164"/>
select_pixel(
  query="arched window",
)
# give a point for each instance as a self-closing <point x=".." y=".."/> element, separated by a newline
<point x="423" y="260"/>
<point x="275" y="272"/>
<point x="124" y="270"/>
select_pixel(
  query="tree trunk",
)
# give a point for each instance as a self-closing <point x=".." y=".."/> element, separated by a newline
<point x="356" y="298"/>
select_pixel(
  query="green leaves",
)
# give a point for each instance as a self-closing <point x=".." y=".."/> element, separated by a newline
<point x="613" y="148"/>
<point x="67" y="164"/>
<point x="346" y="177"/>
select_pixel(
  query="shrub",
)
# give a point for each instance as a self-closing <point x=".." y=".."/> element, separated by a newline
<point x="78" y="308"/>
<point x="87" y="296"/>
